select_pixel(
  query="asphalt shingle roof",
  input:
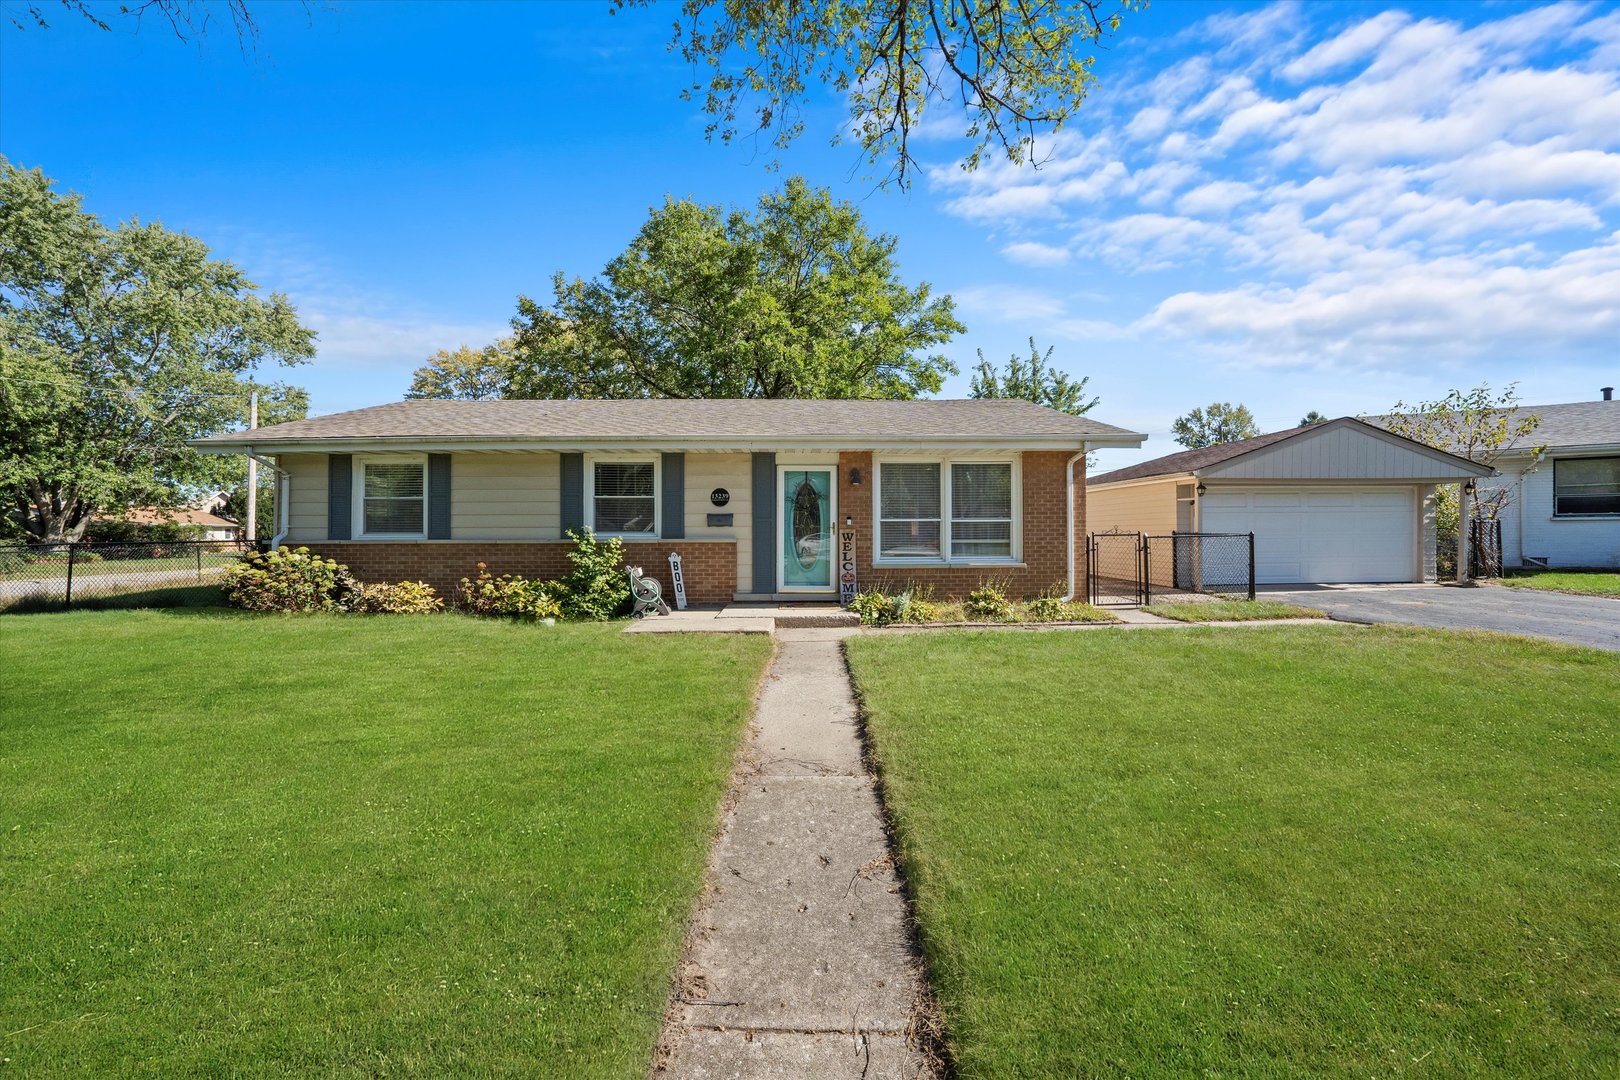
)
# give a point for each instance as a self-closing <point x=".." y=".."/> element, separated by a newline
<point x="1579" y="423"/>
<point x="1193" y="460"/>
<point x="679" y="419"/>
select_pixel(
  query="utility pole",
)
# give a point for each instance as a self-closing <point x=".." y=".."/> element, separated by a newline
<point x="253" y="474"/>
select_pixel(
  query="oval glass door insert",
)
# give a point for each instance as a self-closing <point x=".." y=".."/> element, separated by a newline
<point x="807" y="512"/>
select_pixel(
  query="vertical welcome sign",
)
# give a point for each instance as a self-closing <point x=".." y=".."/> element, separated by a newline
<point x="678" y="580"/>
<point x="846" y="566"/>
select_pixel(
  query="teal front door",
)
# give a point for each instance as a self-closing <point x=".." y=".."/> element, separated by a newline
<point x="807" y="524"/>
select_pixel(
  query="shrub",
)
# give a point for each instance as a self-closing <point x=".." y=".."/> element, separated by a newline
<point x="1044" y="609"/>
<point x="874" y="608"/>
<point x="151" y="532"/>
<point x="988" y="604"/>
<point x="290" y="580"/>
<point x="510" y="595"/>
<point x="597" y="587"/>
<point x="403" y="598"/>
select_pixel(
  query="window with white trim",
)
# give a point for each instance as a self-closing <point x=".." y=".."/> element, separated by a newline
<point x="393" y="498"/>
<point x="1586" y="486"/>
<point x="981" y="510"/>
<point x="909" y="510"/>
<point x="950" y="511"/>
<point x="623" y="497"/>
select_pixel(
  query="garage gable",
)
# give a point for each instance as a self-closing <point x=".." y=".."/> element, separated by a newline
<point x="1345" y="449"/>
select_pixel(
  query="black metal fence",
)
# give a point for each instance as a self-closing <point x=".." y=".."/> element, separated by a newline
<point x="164" y="573"/>
<point x="1485" y="548"/>
<point x="1129" y="569"/>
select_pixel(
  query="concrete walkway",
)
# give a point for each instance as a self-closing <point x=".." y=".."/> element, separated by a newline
<point x="799" y="963"/>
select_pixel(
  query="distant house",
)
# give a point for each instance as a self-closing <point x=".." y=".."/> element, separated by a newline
<point x="212" y="525"/>
<point x="1565" y="509"/>
<point x="763" y="499"/>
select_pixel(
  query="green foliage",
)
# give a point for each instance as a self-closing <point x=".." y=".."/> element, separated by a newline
<point x="466" y="373"/>
<point x="873" y="607"/>
<point x="134" y="532"/>
<point x="1032" y="380"/>
<point x="1221" y="422"/>
<point x="509" y="595"/>
<point x="597" y="587"/>
<point x="401" y="598"/>
<point x="117" y="345"/>
<point x="290" y="580"/>
<point x="1016" y="68"/>
<point x="1312" y="417"/>
<point x="1475" y="424"/>
<point x="988" y="604"/>
<point x="797" y="300"/>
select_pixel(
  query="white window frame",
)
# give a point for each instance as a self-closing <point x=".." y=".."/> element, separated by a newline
<point x="945" y="461"/>
<point x="657" y="463"/>
<point x="357" y="495"/>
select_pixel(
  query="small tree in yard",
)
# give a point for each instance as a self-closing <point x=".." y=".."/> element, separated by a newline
<point x="1474" y="424"/>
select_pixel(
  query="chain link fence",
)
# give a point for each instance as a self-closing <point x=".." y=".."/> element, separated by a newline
<point x="1132" y="569"/>
<point x="1484" y="548"/>
<point x="168" y="573"/>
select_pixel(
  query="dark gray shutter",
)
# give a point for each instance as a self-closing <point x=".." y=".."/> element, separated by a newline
<point x="571" y="473"/>
<point x="438" y="477"/>
<point x="340" y="496"/>
<point x="673" y="521"/>
<point x="764" y="523"/>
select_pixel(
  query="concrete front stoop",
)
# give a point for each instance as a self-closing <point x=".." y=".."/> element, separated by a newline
<point x="800" y="962"/>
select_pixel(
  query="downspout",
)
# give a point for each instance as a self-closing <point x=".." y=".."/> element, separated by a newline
<point x="1068" y="476"/>
<point x="282" y="510"/>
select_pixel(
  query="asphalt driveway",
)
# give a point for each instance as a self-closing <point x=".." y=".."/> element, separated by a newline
<point x="1593" y="621"/>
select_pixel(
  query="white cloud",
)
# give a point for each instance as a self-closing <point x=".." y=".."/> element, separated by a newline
<point x="1386" y="191"/>
<point x="399" y="342"/>
<point x="1009" y="302"/>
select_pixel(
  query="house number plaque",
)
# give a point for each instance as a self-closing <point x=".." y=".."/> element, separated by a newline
<point x="719" y="496"/>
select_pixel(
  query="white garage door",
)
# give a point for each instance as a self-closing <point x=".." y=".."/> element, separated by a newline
<point x="1321" y="533"/>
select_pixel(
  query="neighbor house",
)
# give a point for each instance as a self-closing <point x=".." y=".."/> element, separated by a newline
<point x="1341" y="501"/>
<point x="1564" y="506"/>
<point x="206" y="524"/>
<point x="753" y="494"/>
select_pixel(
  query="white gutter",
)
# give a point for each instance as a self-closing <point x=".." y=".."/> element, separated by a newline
<point x="1068" y="481"/>
<point x="283" y="525"/>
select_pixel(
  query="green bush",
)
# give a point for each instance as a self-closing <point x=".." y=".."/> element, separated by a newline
<point x="988" y="604"/>
<point x="874" y="608"/>
<point x="597" y="587"/>
<point x="509" y="595"/>
<point x="132" y="532"/>
<point x="401" y="598"/>
<point x="290" y="580"/>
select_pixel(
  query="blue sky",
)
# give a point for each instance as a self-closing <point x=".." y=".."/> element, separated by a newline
<point x="1295" y="206"/>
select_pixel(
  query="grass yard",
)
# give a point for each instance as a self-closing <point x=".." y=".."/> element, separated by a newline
<point x="1295" y="851"/>
<point x="1232" y="611"/>
<point x="363" y="846"/>
<point x="1584" y="582"/>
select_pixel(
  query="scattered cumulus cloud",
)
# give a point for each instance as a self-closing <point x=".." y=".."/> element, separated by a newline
<point x="1380" y="192"/>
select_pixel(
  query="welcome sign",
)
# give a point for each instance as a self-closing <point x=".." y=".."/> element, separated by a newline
<point x="846" y="566"/>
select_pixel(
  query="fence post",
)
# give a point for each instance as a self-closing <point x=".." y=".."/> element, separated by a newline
<point x="1251" y="566"/>
<point x="1147" y="581"/>
<point x="198" y="549"/>
<point x="67" y="599"/>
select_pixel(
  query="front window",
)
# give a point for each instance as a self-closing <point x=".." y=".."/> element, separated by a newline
<point x="1586" y="486"/>
<point x="395" y="499"/>
<point x="981" y="511"/>
<point x="623" y="495"/>
<point x="909" y="510"/>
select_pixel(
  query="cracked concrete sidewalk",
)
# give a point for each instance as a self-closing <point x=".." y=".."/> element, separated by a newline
<point x="800" y="961"/>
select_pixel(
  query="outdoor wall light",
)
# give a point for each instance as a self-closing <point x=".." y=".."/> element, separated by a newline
<point x="1201" y="489"/>
<point x="1469" y="487"/>
<point x="849" y="521"/>
<point x="854" y="478"/>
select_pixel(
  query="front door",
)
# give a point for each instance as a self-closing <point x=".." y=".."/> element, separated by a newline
<point x="807" y="529"/>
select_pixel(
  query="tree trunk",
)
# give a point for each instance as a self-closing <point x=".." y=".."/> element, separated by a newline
<point x="51" y="518"/>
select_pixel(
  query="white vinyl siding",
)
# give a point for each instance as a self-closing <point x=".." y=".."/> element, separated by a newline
<point x="306" y="497"/>
<point x="734" y="473"/>
<point x="506" y="497"/>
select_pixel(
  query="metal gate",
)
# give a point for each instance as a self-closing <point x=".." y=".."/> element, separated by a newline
<point x="1116" y="568"/>
<point x="1485" y="548"/>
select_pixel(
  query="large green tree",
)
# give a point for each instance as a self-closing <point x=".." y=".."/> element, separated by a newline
<point x="117" y="345"/>
<point x="1220" y="422"/>
<point x="794" y="300"/>
<point x="466" y="374"/>
<point x="1034" y="380"/>
<point x="1012" y="69"/>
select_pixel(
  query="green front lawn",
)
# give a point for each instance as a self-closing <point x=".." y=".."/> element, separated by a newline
<point x="359" y="846"/>
<point x="1585" y="582"/>
<point x="1232" y="611"/>
<point x="1285" y="852"/>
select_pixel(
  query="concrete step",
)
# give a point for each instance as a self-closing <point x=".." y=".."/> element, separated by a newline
<point x="793" y="615"/>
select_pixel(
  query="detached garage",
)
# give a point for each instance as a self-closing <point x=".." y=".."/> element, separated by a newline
<point x="1341" y="501"/>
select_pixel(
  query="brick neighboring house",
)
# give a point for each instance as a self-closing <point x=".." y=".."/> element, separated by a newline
<point x="752" y="493"/>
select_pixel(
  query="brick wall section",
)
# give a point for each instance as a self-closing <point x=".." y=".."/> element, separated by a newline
<point x="1045" y="501"/>
<point x="709" y="566"/>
